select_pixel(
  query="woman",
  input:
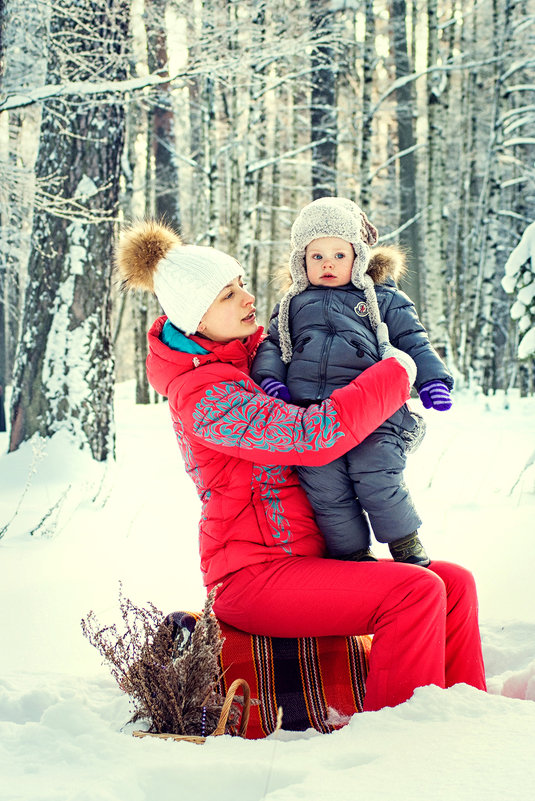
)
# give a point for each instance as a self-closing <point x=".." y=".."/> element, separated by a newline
<point x="258" y="539"/>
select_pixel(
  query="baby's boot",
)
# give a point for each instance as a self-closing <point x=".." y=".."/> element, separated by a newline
<point x="362" y="555"/>
<point x="410" y="550"/>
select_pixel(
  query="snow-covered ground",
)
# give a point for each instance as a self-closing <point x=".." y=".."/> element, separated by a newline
<point x="62" y="732"/>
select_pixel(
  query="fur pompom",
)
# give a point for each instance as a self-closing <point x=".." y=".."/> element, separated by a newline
<point x="140" y="248"/>
<point x="386" y="261"/>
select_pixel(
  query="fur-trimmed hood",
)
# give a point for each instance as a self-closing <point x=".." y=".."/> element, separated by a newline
<point x="386" y="261"/>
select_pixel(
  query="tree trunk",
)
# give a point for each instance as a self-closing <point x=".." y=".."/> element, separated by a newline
<point x="368" y="70"/>
<point x="486" y="325"/>
<point x="64" y="368"/>
<point x="434" y="317"/>
<point x="408" y="201"/>
<point x="23" y="36"/>
<point x="465" y="272"/>
<point x="166" y="185"/>
<point x="256" y="144"/>
<point x="323" y="112"/>
<point x="196" y="209"/>
<point x="274" y="249"/>
<point x="162" y="195"/>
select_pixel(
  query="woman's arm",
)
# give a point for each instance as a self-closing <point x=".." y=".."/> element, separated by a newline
<point x="231" y="416"/>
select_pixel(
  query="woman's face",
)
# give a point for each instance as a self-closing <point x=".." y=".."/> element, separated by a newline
<point x="231" y="315"/>
<point x="329" y="261"/>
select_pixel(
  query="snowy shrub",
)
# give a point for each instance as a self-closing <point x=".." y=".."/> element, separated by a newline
<point x="172" y="681"/>
<point x="519" y="279"/>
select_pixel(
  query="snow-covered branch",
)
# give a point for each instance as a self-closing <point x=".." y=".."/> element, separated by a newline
<point x="526" y="63"/>
<point x="519" y="140"/>
<point x="519" y="87"/>
<point x="413" y="76"/>
<point x="261" y="165"/>
<point x="26" y="97"/>
<point x="395" y="157"/>
<point x="398" y="231"/>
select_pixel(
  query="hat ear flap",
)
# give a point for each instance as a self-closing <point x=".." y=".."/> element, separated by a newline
<point x="362" y="280"/>
<point x="298" y="269"/>
<point x="300" y="283"/>
<point x="369" y="232"/>
<point x="360" y="263"/>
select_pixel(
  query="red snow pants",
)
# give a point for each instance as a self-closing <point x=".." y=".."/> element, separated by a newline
<point x="424" y="620"/>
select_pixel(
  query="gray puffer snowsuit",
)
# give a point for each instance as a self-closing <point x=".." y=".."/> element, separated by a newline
<point x="332" y="342"/>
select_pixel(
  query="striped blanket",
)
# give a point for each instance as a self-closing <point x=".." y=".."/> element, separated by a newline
<point x="318" y="681"/>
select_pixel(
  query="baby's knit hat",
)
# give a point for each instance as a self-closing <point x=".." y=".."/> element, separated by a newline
<point x="329" y="216"/>
<point x="186" y="279"/>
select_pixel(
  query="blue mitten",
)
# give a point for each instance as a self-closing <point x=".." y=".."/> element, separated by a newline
<point x="276" y="389"/>
<point x="435" y="394"/>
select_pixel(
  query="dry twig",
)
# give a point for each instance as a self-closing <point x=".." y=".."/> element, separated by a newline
<point x="171" y="681"/>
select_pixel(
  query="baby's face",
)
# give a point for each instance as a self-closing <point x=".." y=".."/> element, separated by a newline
<point x="329" y="261"/>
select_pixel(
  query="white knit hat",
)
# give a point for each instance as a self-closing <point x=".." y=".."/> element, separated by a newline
<point x="186" y="279"/>
<point x="329" y="216"/>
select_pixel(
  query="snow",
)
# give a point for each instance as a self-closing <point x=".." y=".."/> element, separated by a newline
<point x="63" y="732"/>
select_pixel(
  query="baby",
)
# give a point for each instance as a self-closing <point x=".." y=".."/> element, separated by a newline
<point x="333" y="323"/>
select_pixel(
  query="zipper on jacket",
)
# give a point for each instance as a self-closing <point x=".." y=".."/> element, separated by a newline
<point x="326" y="349"/>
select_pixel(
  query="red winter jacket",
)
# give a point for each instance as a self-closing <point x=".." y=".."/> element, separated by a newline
<point x="239" y="445"/>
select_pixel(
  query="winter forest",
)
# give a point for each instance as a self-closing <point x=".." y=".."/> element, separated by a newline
<point x="225" y="118"/>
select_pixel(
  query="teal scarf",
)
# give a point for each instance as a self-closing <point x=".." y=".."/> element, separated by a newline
<point x="176" y="339"/>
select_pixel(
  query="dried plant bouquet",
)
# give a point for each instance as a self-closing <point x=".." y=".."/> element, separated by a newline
<point x="172" y="680"/>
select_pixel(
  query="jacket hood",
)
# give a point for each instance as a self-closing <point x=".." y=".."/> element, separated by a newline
<point x="164" y="364"/>
<point x="387" y="262"/>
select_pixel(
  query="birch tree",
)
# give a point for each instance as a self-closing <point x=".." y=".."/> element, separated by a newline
<point x="3" y="365"/>
<point x="408" y="201"/>
<point x="162" y="195"/>
<point x="489" y="311"/>
<point x="368" y="69"/>
<point x="22" y="44"/>
<point x="255" y="148"/>
<point x="434" y="262"/>
<point x="162" y="118"/>
<point x="323" y="110"/>
<point x="279" y="102"/>
<point x="64" y="370"/>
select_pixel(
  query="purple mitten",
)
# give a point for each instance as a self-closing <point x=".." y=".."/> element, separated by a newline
<point x="435" y="394"/>
<point x="276" y="389"/>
